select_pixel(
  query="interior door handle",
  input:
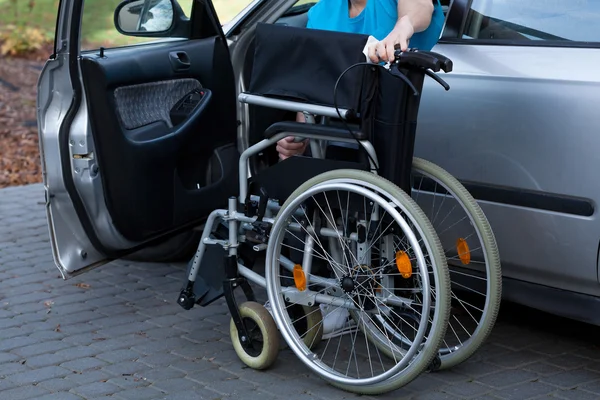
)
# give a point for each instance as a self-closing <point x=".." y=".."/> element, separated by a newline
<point x="179" y="60"/>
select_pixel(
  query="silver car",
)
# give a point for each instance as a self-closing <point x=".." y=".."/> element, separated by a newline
<point x="130" y="170"/>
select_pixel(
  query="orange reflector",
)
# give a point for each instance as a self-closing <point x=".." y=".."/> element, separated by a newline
<point x="403" y="264"/>
<point x="463" y="251"/>
<point x="299" y="278"/>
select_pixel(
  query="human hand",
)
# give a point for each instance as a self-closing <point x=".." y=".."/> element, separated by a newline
<point x="286" y="147"/>
<point x="399" y="36"/>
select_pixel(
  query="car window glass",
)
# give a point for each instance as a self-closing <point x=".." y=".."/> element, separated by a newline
<point x="228" y="9"/>
<point x="98" y="27"/>
<point x="548" y="20"/>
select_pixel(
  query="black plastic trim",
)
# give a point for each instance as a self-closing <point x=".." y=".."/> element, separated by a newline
<point x="522" y="197"/>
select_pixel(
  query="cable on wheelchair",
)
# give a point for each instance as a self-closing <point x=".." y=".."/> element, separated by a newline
<point x="394" y="69"/>
<point x="399" y="75"/>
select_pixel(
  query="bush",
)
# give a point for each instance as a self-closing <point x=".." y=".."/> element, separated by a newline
<point x="20" y="37"/>
<point x="19" y="40"/>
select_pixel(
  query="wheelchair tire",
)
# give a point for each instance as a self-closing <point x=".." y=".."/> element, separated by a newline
<point x="458" y="354"/>
<point x="260" y="323"/>
<point x="438" y="321"/>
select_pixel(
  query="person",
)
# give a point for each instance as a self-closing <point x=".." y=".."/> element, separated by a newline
<point x="403" y="23"/>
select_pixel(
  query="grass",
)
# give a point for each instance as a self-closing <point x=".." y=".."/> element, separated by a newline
<point x="97" y="25"/>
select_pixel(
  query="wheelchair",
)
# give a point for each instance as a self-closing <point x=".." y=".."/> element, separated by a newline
<point x="359" y="226"/>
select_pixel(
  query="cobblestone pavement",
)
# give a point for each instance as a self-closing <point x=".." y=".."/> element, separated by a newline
<point x="116" y="332"/>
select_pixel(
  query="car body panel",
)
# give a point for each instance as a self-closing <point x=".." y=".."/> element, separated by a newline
<point x="530" y="125"/>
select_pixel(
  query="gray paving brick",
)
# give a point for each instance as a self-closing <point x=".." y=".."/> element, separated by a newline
<point x="83" y="364"/>
<point x="568" y="361"/>
<point x="57" y="384"/>
<point x="165" y="373"/>
<point x="38" y="375"/>
<point x="96" y="389"/>
<point x="144" y="393"/>
<point x="129" y="381"/>
<point x="41" y="348"/>
<point x="507" y="377"/>
<point x="60" y="396"/>
<point x="468" y="389"/>
<point x="13" y="368"/>
<point x="572" y="378"/>
<point x="45" y="360"/>
<point x="121" y="342"/>
<point x="90" y="376"/>
<point x="523" y="391"/>
<point x="542" y="368"/>
<point x="160" y="359"/>
<point x="177" y="384"/>
<point x="75" y="352"/>
<point x="575" y="394"/>
<point x="193" y="365"/>
<point x="24" y="392"/>
<point x="120" y="330"/>
<point x="116" y="356"/>
<point x="232" y="387"/>
<point x="126" y="367"/>
<point x="592" y="387"/>
<point x="434" y="396"/>
<point x="8" y="357"/>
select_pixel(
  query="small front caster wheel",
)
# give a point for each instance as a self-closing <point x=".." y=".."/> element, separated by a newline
<point x="263" y="345"/>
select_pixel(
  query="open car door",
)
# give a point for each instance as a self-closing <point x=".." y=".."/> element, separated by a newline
<point x="137" y="141"/>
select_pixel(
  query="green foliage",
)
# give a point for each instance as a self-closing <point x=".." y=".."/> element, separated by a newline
<point x="20" y="36"/>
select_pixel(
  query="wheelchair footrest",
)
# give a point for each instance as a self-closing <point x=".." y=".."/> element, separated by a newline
<point x="208" y="286"/>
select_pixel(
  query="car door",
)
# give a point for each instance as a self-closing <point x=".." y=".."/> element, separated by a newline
<point x="137" y="137"/>
<point x="519" y="127"/>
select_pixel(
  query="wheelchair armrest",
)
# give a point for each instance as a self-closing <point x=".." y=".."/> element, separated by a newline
<point x="313" y="129"/>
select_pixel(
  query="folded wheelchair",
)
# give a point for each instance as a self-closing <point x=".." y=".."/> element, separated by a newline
<point x="357" y="228"/>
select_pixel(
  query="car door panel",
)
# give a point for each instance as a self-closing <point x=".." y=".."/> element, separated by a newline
<point x="517" y="126"/>
<point x="149" y="166"/>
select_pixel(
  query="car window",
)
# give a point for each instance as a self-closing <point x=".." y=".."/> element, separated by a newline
<point x="527" y="20"/>
<point x="98" y="28"/>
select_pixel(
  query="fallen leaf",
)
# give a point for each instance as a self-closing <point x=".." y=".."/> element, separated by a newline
<point x="82" y="285"/>
<point x="48" y="303"/>
<point x="57" y="329"/>
<point x="211" y="359"/>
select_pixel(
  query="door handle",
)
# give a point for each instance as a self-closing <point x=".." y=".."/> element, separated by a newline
<point x="179" y="60"/>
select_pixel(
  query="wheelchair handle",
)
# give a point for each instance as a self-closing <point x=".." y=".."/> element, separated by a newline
<point x="427" y="60"/>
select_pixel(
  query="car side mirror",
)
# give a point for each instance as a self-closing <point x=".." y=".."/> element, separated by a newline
<point x="151" y="18"/>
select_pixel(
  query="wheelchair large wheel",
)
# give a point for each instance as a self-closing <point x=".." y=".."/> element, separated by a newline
<point x="472" y="256"/>
<point x="358" y="209"/>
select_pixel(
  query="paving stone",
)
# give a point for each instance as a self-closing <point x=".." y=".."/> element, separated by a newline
<point x="524" y="391"/>
<point x="96" y="389"/>
<point x="116" y="356"/>
<point x="83" y="364"/>
<point x="177" y="384"/>
<point x="24" y="392"/>
<point x="38" y="375"/>
<point x="575" y="394"/>
<point x="57" y="384"/>
<point x="572" y="378"/>
<point x="60" y="396"/>
<point x="41" y="348"/>
<point x="468" y="389"/>
<point x="507" y="378"/>
<point x="143" y="393"/>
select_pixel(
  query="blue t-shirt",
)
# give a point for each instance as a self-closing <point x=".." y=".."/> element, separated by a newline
<point x="377" y="19"/>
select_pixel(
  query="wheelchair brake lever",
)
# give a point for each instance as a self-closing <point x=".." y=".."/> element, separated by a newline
<point x="436" y="78"/>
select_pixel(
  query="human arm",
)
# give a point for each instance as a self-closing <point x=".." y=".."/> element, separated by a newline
<point x="413" y="16"/>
